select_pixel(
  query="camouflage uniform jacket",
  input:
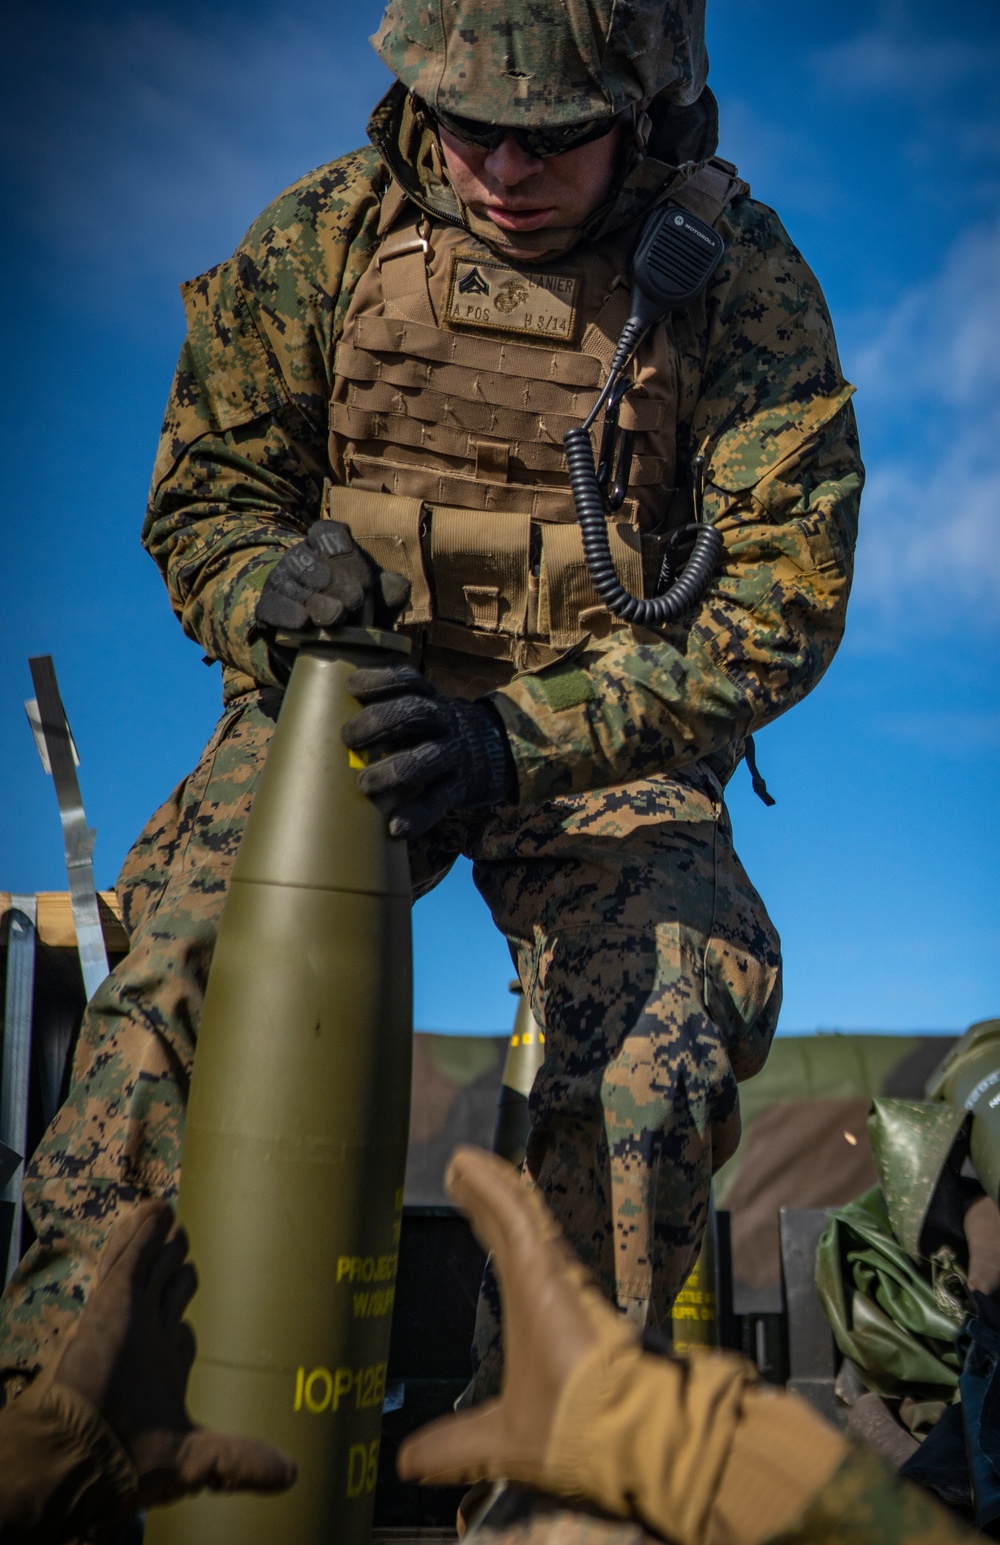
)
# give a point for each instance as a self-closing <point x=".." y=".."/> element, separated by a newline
<point x="243" y="456"/>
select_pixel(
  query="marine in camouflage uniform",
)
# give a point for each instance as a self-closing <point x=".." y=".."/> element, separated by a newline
<point x="642" y="947"/>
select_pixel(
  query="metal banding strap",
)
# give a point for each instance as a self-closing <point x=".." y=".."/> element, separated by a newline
<point x="78" y="838"/>
<point x="15" y="1070"/>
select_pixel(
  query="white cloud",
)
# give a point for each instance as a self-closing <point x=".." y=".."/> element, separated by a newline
<point x="929" y="388"/>
<point x="884" y="59"/>
<point x="929" y="553"/>
<point x="941" y="343"/>
<point x="950" y="732"/>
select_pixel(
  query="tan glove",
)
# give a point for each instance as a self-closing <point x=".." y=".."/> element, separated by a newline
<point x="110" y="1415"/>
<point x="693" y="1449"/>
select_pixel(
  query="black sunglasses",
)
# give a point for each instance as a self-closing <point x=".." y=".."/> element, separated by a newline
<point x="539" y="142"/>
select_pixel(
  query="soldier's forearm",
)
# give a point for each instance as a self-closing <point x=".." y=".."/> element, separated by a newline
<point x="218" y="521"/>
<point x="645" y="702"/>
<point x="694" y="1448"/>
<point x="865" y="1503"/>
<point x="243" y="450"/>
<point x="702" y="1454"/>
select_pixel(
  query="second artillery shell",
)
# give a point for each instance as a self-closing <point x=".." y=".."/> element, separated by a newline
<point x="525" y="1055"/>
<point x="694" y="1316"/>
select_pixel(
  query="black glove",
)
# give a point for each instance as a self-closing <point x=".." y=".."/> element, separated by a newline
<point x="437" y="753"/>
<point x="325" y="580"/>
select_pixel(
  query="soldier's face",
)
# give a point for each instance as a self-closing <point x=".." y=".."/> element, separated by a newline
<point x="521" y="192"/>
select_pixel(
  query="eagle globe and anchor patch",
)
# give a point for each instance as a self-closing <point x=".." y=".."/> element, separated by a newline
<point x="486" y="293"/>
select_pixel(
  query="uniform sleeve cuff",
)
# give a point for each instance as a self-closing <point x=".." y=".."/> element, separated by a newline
<point x="693" y="1448"/>
<point x="551" y="756"/>
<point x="781" y="1457"/>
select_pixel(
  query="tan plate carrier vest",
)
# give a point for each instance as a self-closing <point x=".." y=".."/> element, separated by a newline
<point x="446" y="443"/>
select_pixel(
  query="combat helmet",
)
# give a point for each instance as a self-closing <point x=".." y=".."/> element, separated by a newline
<point x="532" y="62"/>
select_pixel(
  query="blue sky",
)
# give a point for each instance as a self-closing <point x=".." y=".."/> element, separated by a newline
<point x="142" y="139"/>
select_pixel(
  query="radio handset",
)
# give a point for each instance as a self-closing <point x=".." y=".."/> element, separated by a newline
<point x="673" y="260"/>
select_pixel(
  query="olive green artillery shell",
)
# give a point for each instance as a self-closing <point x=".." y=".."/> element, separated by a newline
<point x="645" y="954"/>
<point x="526" y="1051"/>
<point x="295" y="1140"/>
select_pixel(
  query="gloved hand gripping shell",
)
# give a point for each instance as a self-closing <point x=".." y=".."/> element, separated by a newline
<point x="326" y="580"/>
<point x="435" y="753"/>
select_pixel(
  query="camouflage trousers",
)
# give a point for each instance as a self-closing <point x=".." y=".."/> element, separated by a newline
<point x="646" y="956"/>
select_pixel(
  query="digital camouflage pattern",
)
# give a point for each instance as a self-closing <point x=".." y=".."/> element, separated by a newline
<point x="243" y="454"/>
<point x="117" y="1139"/>
<point x="545" y="64"/>
<point x="770" y="411"/>
<point x="865" y="1503"/>
<point x="654" y="997"/>
<point x="626" y="747"/>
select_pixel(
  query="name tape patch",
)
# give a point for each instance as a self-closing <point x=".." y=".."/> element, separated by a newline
<point x="483" y="293"/>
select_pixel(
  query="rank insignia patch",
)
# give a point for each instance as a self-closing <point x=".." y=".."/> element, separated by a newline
<point x="484" y="293"/>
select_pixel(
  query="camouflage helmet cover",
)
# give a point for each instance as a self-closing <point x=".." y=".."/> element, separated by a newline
<point x="551" y="62"/>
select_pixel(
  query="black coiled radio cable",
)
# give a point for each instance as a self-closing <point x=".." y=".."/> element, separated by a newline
<point x="675" y="256"/>
<point x="654" y="611"/>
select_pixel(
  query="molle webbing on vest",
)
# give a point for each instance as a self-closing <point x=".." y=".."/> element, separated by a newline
<point x="490" y="597"/>
<point x="446" y="441"/>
